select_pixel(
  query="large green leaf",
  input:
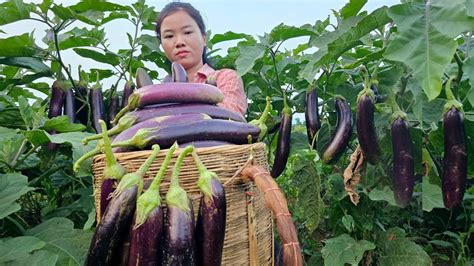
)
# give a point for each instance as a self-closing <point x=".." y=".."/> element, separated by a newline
<point x="12" y="187"/>
<point x="284" y="32"/>
<point x="107" y="58"/>
<point x="432" y="196"/>
<point x="248" y="56"/>
<point x="14" y="10"/>
<point x="425" y="39"/>
<point x="78" y="37"/>
<point x="91" y="17"/>
<point x="62" y="124"/>
<point x="352" y="8"/>
<point x="399" y="250"/>
<point x="15" y="248"/>
<point x="37" y="258"/>
<point x="386" y="194"/>
<point x="229" y="36"/>
<point x="17" y="46"/>
<point x="32" y="63"/>
<point x="61" y="238"/>
<point x="344" y="249"/>
<point x="98" y="5"/>
<point x="9" y="148"/>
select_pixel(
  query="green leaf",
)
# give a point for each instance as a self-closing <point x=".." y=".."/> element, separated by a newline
<point x="108" y="58"/>
<point x="36" y="137"/>
<point x="98" y="6"/>
<point x="14" y="10"/>
<point x="386" y="194"/>
<point x="18" y="247"/>
<point x="468" y="68"/>
<point x="432" y="196"/>
<point x="229" y="36"/>
<point x="32" y="63"/>
<point x="284" y="32"/>
<point x="12" y="187"/>
<point x="470" y="8"/>
<point x="352" y="8"/>
<point x="9" y="148"/>
<point x="344" y="249"/>
<point x="114" y="16"/>
<point x="61" y="238"/>
<point x="37" y="258"/>
<point x="62" y="124"/>
<point x="450" y="17"/>
<point x="248" y="56"/>
<point x="398" y="250"/>
<point x="78" y="149"/>
<point x="17" y="46"/>
<point x="420" y="45"/>
<point x="90" y="17"/>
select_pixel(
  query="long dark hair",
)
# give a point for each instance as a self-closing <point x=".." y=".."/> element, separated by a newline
<point x="192" y="12"/>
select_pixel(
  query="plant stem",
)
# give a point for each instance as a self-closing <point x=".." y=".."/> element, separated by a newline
<point x="60" y="61"/>
<point x="177" y="167"/>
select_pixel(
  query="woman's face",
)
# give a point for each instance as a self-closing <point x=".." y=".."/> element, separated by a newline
<point x="182" y="40"/>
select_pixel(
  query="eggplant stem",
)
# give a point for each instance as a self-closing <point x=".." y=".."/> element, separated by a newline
<point x="178" y="164"/>
<point x="155" y="184"/>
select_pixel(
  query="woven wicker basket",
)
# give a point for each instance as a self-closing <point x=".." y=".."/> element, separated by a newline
<point x="249" y="226"/>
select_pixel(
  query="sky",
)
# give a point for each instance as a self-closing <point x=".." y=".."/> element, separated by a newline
<point x="254" y="17"/>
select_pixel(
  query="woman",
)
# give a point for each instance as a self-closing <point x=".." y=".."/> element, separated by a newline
<point x="182" y="33"/>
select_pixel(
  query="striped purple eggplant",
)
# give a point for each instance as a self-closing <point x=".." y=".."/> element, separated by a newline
<point x="340" y="139"/>
<point x="205" y="129"/>
<point x="211" y="221"/>
<point x="179" y="228"/>
<point x="174" y="92"/>
<point x="403" y="164"/>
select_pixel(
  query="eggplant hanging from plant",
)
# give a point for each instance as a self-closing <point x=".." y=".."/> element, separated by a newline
<point x="128" y="89"/>
<point x="313" y="123"/>
<point x="70" y="105"/>
<point x="81" y="100"/>
<point x="96" y="101"/>
<point x="454" y="175"/>
<point x="56" y="102"/>
<point x="341" y="137"/>
<point x="283" y="143"/>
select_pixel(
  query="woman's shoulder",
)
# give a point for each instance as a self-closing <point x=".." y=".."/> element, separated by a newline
<point x="226" y="73"/>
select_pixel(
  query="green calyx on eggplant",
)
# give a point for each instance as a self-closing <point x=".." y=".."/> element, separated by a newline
<point x="261" y="122"/>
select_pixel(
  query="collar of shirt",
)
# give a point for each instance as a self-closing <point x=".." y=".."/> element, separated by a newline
<point x="205" y="71"/>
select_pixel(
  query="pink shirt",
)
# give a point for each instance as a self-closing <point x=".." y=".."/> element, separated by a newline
<point x="231" y="85"/>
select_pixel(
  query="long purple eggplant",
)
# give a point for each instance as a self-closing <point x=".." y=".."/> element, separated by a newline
<point x="135" y="117"/>
<point x="96" y="101"/>
<point x="365" y="128"/>
<point x="145" y="248"/>
<point x="114" y="106"/>
<point x="179" y="236"/>
<point x="454" y="175"/>
<point x="81" y="100"/>
<point x="206" y="129"/>
<point x="340" y="139"/>
<point x="403" y="164"/>
<point x="154" y="124"/>
<point x="128" y="89"/>
<point x="142" y="78"/>
<point x="205" y="143"/>
<point x="312" y="120"/>
<point x="174" y="92"/>
<point x="211" y="221"/>
<point x="118" y="216"/>
<point x="283" y="144"/>
<point x="178" y="73"/>
<point x="70" y="105"/>
<point x="113" y="172"/>
<point x="56" y="104"/>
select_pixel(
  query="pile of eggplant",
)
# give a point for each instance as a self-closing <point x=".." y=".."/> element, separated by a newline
<point x="177" y="111"/>
<point x="134" y="229"/>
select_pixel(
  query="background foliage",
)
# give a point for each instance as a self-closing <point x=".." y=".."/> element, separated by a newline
<point x="46" y="210"/>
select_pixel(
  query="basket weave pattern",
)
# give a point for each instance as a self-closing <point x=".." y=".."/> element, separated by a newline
<point x="249" y="224"/>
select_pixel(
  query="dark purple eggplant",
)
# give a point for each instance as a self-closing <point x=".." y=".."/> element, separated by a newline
<point x="340" y="139"/>
<point x="116" y="221"/>
<point x="178" y="73"/>
<point x="283" y="144"/>
<point x="142" y="78"/>
<point x="70" y="105"/>
<point x="312" y="120"/>
<point x="179" y="227"/>
<point x="81" y="100"/>
<point x="135" y="117"/>
<point x="366" y="130"/>
<point x="127" y="91"/>
<point x="155" y="124"/>
<point x="454" y="176"/>
<point x="58" y="93"/>
<point x="403" y="164"/>
<point x="174" y="92"/>
<point x="96" y="101"/>
<point x="114" y="106"/>
<point x="145" y="248"/>
<point x="377" y="95"/>
<point x="113" y="172"/>
<point x="211" y="221"/>
<point x="206" y="129"/>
